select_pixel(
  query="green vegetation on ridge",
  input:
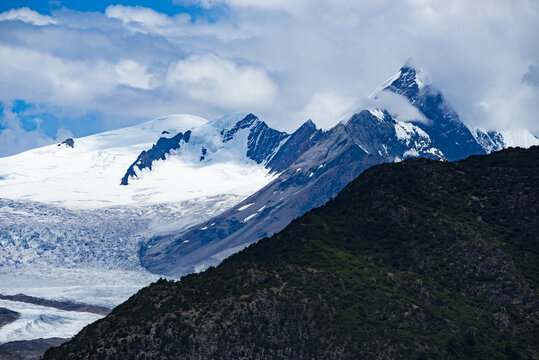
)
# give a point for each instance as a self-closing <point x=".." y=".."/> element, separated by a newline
<point x="415" y="260"/>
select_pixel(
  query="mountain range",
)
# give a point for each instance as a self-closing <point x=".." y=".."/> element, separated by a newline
<point x="314" y="165"/>
<point x="94" y="219"/>
<point x="417" y="260"/>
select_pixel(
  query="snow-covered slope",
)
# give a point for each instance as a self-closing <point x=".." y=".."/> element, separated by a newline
<point x="492" y="140"/>
<point x="236" y="144"/>
<point x="89" y="174"/>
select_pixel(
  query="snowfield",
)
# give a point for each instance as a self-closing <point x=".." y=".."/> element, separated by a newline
<point x="89" y="174"/>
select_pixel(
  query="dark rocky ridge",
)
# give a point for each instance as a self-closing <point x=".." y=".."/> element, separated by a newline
<point x="244" y="123"/>
<point x="299" y="142"/>
<point x="159" y="151"/>
<point x="262" y="142"/>
<point x="415" y="260"/>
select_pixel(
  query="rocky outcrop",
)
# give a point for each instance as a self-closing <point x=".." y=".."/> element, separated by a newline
<point x="159" y="151"/>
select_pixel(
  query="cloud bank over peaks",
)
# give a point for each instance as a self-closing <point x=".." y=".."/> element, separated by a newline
<point x="286" y="61"/>
<point x="219" y="82"/>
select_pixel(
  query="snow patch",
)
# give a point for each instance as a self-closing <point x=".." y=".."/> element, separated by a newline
<point x="245" y="207"/>
<point x="249" y="217"/>
<point x="377" y="113"/>
<point x="410" y="153"/>
<point x="519" y="138"/>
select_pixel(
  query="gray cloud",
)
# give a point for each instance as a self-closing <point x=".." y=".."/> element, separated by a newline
<point x="532" y="76"/>
<point x="286" y="61"/>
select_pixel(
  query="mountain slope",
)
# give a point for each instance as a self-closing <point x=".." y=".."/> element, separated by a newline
<point x="327" y="162"/>
<point x="234" y="139"/>
<point x="421" y="259"/>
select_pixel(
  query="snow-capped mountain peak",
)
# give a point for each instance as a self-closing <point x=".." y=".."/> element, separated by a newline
<point x="238" y="138"/>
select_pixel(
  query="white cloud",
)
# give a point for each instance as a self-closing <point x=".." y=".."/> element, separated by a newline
<point x="325" y="108"/>
<point x="146" y="20"/>
<point x="221" y="82"/>
<point x="174" y="28"/>
<point x="272" y="5"/>
<point x="43" y="78"/>
<point x="133" y="74"/>
<point x="397" y="106"/>
<point x="28" y="16"/>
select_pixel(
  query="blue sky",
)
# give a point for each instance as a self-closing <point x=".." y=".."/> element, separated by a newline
<point x="167" y="7"/>
<point x="74" y="68"/>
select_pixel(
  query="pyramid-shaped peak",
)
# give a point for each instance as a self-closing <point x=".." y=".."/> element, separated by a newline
<point x="408" y="79"/>
<point x="249" y="119"/>
<point x="409" y="76"/>
<point x="308" y="124"/>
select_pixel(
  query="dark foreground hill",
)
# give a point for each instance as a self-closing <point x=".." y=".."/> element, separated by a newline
<point x="417" y="260"/>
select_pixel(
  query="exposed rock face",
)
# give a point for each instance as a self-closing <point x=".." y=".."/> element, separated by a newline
<point x="68" y="143"/>
<point x="263" y="141"/>
<point x="244" y="123"/>
<point x="159" y="151"/>
<point x="446" y="130"/>
<point x="299" y="142"/>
